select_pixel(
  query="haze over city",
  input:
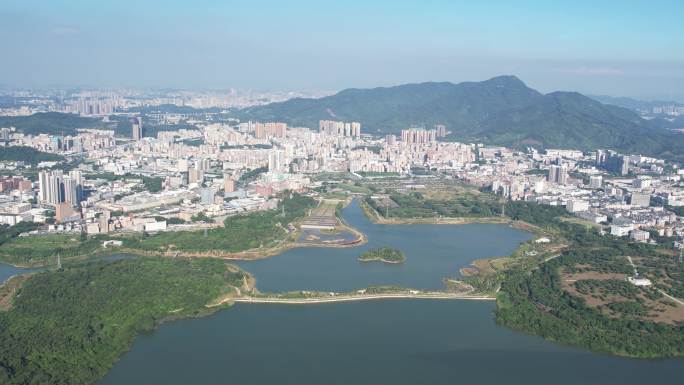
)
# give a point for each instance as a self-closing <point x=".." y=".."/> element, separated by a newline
<point x="341" y="192"/>
<point x="612" y="48"/>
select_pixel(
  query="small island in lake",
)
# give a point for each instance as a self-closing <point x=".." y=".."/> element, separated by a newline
<point x="383" y="254"/>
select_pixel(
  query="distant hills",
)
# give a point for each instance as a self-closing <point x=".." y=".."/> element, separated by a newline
<point x="391" y="109"/>
<point x="53" y="123"/>
<point x="27" y="154"/>
<point x="502" y="110"/>
<point x="633" y="104"/>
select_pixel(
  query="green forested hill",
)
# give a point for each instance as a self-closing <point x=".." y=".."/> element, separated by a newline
<point x="54" y="123"/>
<point x="27" y="154"/>
<point x="501" y="110"/>
<point x="390" y="109"/>
<point x="570" y="119"/>
<point x="70" y="326"/>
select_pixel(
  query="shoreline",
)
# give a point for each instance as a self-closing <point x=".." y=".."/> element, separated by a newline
<point x="362" y="297"/>
<point x="377" y="219"/>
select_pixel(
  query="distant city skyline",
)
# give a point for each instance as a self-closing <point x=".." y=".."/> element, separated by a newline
<point x="599" y="48"/>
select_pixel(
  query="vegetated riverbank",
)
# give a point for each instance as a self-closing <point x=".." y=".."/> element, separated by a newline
<point x="70" y="325"/>
<point x="639" y="325"/>
<point x="253" y="236"/>
<point x="571" y="295"/>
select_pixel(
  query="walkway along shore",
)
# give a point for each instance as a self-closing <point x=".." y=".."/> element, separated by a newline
<point x="360" y="297"/>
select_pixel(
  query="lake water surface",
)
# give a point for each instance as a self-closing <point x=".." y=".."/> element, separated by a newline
<point x="7" y="271"/>
<point x="433" y="252"/>
<point x="394" y="342"/>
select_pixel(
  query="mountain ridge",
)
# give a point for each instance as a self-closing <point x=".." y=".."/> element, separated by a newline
<point x="502" y="110"/>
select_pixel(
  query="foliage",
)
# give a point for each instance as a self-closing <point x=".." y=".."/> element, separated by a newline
<point x="252" y="174"/>
<point x="152" y="184"/>
<point x="53" y="123"/>
<point x="27" y="154"/>
<point x="239" y="233"/>
<point x="391" y="109"/>
<point x="502" y="111"/>
<point x="678" y="210"/>
<point x="533" y="301"/>
<point x="8" y="233"/>
<point x="40" y="249"/>
<point x="174" y="221"/>
<point x="70" y="326"/>
<point x="415" y="205"/>
<point x="202" y="217"/>
<point x="385" y="254"/>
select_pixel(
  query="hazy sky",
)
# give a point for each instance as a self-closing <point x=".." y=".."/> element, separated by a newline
<point x="623" y="48"/>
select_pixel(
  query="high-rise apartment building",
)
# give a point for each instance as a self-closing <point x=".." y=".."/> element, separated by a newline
<point x="270" y="130"/>
<point x="137" y="128"/>
<point x="418" y="136"/>
<point x="335" y="128"/>
<point x="56" y="188"/>
<point x="275" y="161"/>
<point x="558" y="174"/>
<point x="612" y="161"/>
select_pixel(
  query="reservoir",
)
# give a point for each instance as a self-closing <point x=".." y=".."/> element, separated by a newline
<point x="400" y="341"/>
<point x="7" y="271"/>
<point x="433" y="252"/>
<point x="397" y="342"/>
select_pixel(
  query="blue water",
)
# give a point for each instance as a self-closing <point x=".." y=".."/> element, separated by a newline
<point x="396" y="342"/>
<point x="7" y="271"/>
<point x="433" y="253"/>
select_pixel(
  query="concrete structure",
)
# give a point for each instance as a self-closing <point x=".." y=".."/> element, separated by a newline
<point x="574" y="206"/>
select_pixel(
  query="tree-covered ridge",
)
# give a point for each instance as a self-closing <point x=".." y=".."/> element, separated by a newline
<point x="27" y="154"/>
<point x="572" y="120"/>
<point x="70" y="326"/>
<point x="53" y="123"/>
<point x="534" y="303"/>
<point x="581" y="297"/>
<point x="384" y="254"/>
<point x="501" y="110"/>
<point x="390" y="109"/>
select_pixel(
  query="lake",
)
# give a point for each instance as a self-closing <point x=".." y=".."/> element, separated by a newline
<point x="433" y="252"/>
<point x="394" y="342"/>
<point x="7" y="271"/>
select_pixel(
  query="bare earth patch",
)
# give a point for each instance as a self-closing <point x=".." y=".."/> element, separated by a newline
<point x="657" y="308"/>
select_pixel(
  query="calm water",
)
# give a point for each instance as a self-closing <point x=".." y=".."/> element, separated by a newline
<point x="418" y="342"/>
<point x="433" y="252"/>
<point x="6" y="271"/>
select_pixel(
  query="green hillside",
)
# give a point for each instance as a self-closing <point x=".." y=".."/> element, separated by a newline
<point x="391" y="109"/>
<point x="54" y="123"/>
<point x="501" y="110"/>
<point x="27" y="154"/>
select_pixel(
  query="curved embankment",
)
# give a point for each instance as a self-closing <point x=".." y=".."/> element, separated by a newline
<point x="361" y="297"/>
